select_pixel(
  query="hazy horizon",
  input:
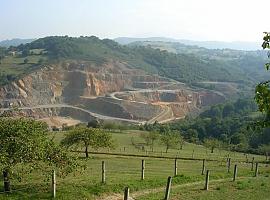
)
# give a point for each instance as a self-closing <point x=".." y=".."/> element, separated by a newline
<point x="25" y="38"/>
<point x="191" y="20"/>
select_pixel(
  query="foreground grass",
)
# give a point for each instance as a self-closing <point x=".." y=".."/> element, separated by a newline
<point x="243" y="189"/>
<point x="121" y="172"/>
<point x="126" y="171"/>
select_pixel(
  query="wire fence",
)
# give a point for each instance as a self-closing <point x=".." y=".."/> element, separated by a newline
<point x="121" y="171"/>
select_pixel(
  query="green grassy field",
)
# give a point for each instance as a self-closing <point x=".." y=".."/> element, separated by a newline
<point x="244" y="188"/>
<point x="124" y="171"/>
<point x="124" y="146"/>
<point x="14" y="65"/>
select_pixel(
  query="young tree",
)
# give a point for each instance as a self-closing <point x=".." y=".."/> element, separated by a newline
<point x="25" y="141"/>
<point x="211" y="143"/>
<point x="169" y="140"/>
<point x="87" y="137"/>
<point x="180" y="140"/>
<point x="192" y="135"/>
<point x="265" y="149"/>
<point x="150" y="138"/>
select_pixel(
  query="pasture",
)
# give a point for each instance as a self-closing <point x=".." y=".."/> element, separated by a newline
<point x="123" y="171"/>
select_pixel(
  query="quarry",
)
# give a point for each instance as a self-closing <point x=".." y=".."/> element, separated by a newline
<point x="73" y="91"/>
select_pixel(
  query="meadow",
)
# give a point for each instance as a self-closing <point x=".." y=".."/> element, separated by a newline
<point x="123" y="171"/>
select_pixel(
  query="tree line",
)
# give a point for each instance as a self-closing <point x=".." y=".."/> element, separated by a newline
<point x="228" y="125"/>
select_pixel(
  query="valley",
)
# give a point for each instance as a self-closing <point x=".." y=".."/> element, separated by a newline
<point x="134" y="100"/>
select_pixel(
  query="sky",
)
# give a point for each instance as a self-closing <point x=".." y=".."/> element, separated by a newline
<point x="218" y="20"/>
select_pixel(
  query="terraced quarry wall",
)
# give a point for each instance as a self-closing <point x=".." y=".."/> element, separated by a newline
<point x="67" y="81"/>
<point x="104" y="106"/>
<point x="111" y="91"/>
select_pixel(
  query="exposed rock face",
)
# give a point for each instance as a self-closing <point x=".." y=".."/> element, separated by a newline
<point x="68" y="81"/>
<point x="158" y="96"/>
<point x="88" y="86"/>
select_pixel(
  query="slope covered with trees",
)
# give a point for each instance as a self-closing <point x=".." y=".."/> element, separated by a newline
<point x="185" y="67"/>
<point x="231" y="124"/>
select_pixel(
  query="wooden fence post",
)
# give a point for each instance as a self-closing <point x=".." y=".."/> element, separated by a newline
<point x="207" y="179"/>
<point x="256" y="169"/>
<point x="53" y="184"/>
<point x="235" y="173"/>
<point x="203" y="167"/>
<point x="252" y="164"/>
<point x="126" y="193"/>
<point x="229" y="165"/>
<point x="143" y="168"/>
<point x="103" y="172"/>
<point x="175" y="167"/>
<point x="6" y="178"/>
<point x="168" y="188"/>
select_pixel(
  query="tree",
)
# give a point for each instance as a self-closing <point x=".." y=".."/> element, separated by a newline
<point x="262" y="91"/>
<point x="192" y="135"/>
<point x="180" y="140"/>
<point x="169" y="140"/>
<point x="25" y="61"/>
<point x="25" y="141"/>
<point x="95" y="123"/>
<point x="265" y="149"/>
<point x="211" y="143"/>
<point x="150" y="138"/>
<point x="87" y="137"/>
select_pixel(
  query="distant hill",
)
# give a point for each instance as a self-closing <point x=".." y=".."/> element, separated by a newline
<point x="190" y="65"/>
<point x="15" y="42"/>
<point x="250" y="62"/>
<point x="248" y="46"/>
<point x="128" y="40"/>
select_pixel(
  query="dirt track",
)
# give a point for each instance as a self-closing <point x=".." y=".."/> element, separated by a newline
<point x="136" y="195"/>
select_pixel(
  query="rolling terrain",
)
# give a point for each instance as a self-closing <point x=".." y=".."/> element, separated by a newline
<point x="111" y="92"/>
<point x="86" y="78"/>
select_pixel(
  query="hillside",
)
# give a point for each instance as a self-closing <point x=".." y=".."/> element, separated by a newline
<point x="189" y="65"/>
<point x="248" y="46"/>
<point x="245" y="62"/>
<point x="85" y="78"/>
<point x="14" y="42"/>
